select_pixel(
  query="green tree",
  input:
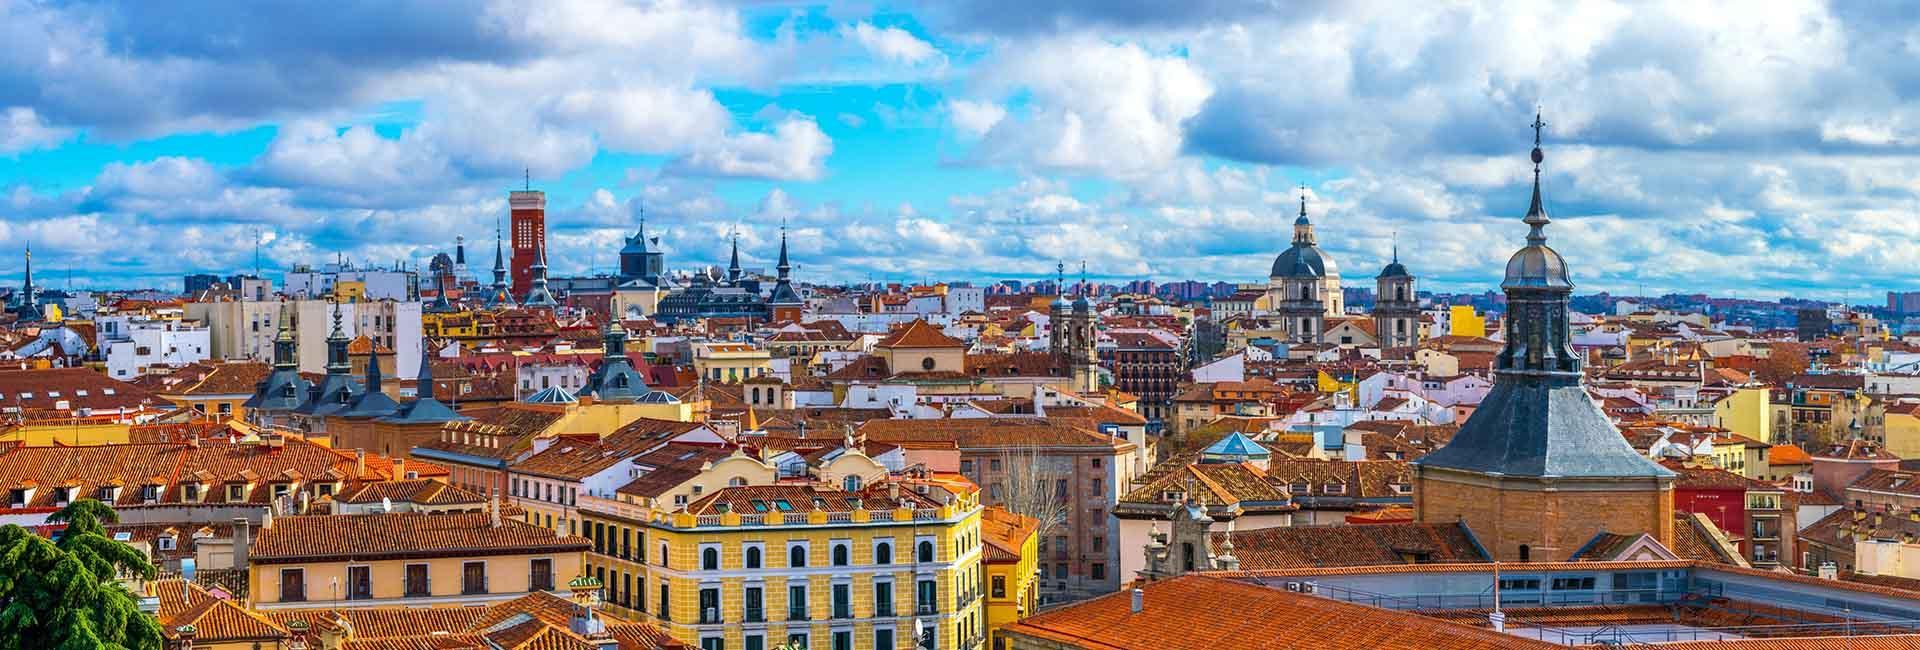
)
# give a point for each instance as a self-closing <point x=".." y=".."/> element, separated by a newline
<point x="68" y="596"/>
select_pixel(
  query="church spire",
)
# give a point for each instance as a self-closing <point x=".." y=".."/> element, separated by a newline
<point x="783" y="267"/>
<point x="1302" y="226"/>
<point x="1537" y="218"/>
<point x="733" y="266"/>
<point x="337" y="362"/>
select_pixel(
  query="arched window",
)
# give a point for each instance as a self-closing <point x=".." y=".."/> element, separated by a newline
<point x="883" y="553"/>
<point x="1526" y="553"/>
<point x="753" y="557"/>
<point x="841" y="555"/>
<point x="1306" y="292"/>
<point x="1186" y="556"/>
<point x="737" y="482"/>
<point x="710" y="559"/>
<point x="852" y="483"/>
<point x="797" y="557"/>
<point x="926" y="551"/>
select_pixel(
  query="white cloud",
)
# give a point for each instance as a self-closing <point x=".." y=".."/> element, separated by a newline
<point x="796" y="150"/>
<point x="22" y="129"/>
<point x="975" y="118"/>
<point x="1095" y="106"/>
<point x="891" y="43"/>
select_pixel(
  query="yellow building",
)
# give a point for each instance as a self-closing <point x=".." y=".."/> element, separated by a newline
<point x="68" y="432"/>
<point x="857" y="560"/>
<point x="349" y="291"/>
<point x="1463" y="321"/>
<point x="403" y="559"/>
<point x="1012" y="548"/>
<point x="730" y="363"/>
<point x="1903" y="429"/>
<point x="1748" y="412"/>
<point x="1741" y="455"/>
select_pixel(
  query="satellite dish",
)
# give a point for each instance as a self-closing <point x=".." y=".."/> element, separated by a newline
<point x="386" y="504"/>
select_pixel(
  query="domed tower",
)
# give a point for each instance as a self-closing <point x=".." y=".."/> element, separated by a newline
<point x="1396" y="312"/>
<point x="1083" y="355"/>
<point x="1304" y="286"/>
<point x="1538" y="470"/>
<point x="1059" y="329"/>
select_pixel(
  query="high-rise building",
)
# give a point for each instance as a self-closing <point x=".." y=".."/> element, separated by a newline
<point x="529" y="225"/>
<point x="198" y="282"/>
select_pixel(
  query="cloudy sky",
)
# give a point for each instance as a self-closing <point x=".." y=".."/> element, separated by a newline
<point x="1744" y="149"/>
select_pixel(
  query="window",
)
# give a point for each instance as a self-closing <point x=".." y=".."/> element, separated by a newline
<point x="293" y="585"/>
<point x="843" y="601"/>
<point x="999" y="586"/>
<point x="1519" y="584"/>
<point x="710" y="559"/>
<point x="843" y="640"/>
<point x="796" y="556"/>
<point x="164" y="543"/>
<point x="540" y="575"/>
<point x="1525" y="553"/>
<point x="663" y="554"/>
<point x="882" y="638"/>
<point x="1098" y="570"/>
<point x="882" y="598"/>
<point x="966" y="467"/>
<point x="753" y="557"/>
<point x="926" y="597"/>
<point x="754" y="603"/>
<point x="852" y="484"/>
<point x="754" y="642"/>
<point x="713" y="643"/>
<point x="1099" y="543"/>
<point x="664" y="608"/>
<point x="797" y="602"/>
<point x="473" y="578"/>
<point x="236" y="493"/>
<point x="1573" y="583"/>
<point x="883" y="553"/>
<point x="842" y="556"/>
<point x="416" y="581"/>
<point x="993" y="464"/>
<point x="798" y="641"/>
<point x="710" y="606"/>
<point x="925" y="550"/>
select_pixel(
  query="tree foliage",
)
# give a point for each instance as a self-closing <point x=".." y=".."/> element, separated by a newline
<point x="68" y="595"/>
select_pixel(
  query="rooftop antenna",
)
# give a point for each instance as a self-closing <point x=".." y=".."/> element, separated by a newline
<point x="255" y="232"/>
<point x="528" y="177"/>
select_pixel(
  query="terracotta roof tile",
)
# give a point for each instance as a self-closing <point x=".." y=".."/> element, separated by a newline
<point x="1207" y="613"/>
<point x="1288" y="547"/>
<point x="919" y="334"/>
<point x="402" y="534"/>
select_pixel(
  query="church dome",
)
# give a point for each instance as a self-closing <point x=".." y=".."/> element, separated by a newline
<point x="1537" y="266"/>
<point x="1394" y="269"/>
<point x="1303" y="261"/>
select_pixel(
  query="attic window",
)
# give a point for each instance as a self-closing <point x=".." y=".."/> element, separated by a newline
<point x="782" y="505"/>
<point x="53" y="393"/>
<point x="123" y="536"/>
<point x="759" y="506"/>
<point x="165" y="543"/>
<point x="1336" y="488"/>
<point x="80" y="393"/>
<point x="106" y="391"/>
<point x="26" y="396"/>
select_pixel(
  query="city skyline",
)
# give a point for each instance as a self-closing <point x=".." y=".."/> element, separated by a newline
<point x="976" y="142"/>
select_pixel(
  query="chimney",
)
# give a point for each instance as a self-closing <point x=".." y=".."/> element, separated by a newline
<point x="1139" y="599"/>
<point x="399" y="468"/>
<point x="186" y="636"/>
<point x="242" y="540"/>
<point x="493" y="509"/>
<point x="1829" y="571"/>
<point x="359" y="463"/>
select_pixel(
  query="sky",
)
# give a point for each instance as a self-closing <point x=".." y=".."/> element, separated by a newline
<point x="1742" y="148"/>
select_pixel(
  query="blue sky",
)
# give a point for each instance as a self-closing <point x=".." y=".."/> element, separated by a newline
<point x="1691" y="147"/>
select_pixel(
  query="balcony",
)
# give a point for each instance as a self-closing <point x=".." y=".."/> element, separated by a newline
<point x="710" y="616"/>
<point x="540" y="582"/>
<point x="925" y="609"/>
<point x="472" y="587"/>
<point x="797" y="615"/>
<point x="755" y="615"/>
<point x="417" y="589"/>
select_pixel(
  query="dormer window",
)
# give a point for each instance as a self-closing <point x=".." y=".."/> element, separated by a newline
<point x="281" y="490"/>
<point x="1299" y="487"/>
<point x="107" y="494"/>
<point x="1336" y="487"/>
<point x="164" y="542"/>
<point x="149" y="493"/>
<point x="190" y="492"/>
<point x="17" y="497"/>
<point x="237" y="492"/>
<point x="61" y="495"/>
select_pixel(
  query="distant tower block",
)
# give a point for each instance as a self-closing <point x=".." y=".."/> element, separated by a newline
<point x="529" y="226"/>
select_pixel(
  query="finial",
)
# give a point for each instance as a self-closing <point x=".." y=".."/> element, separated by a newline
<point x="1303" y="200"/>
<point x="1083" y="275"/>
<point x="1060" y="276"/>
<point x="1537" y="213"/>
<point x="1396" y="246"/>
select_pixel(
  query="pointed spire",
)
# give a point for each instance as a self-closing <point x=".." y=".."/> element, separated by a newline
<point x="733" y="266"/>
<point x="337" y="362"/>
<point x="373" y="370"/>
<point x="1537" y="214"/>
<point x="1302" y="226"/>
<point x="423" y="385"/>
<point x="1396" y="247"/>
<point x="783" y="267"/>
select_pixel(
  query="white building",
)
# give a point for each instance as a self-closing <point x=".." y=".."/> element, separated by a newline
<point x="381" y="284"/>
<point x="961" y="300"/>
<point x="133" y="344"/>
<point x="390" y="324"/>
<point x="240" y="329"/>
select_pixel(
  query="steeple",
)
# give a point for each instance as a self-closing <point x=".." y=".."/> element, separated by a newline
<point x="1302" y="226"/>
<point x="284" y="357"/>
<point x="1537" y="214"/>
<point x="337" y="362"/>
<point x="782" y="267"/>
<point x="537" y="295"/>
<point x="733" y="267"/>
<point x="28" y="300"/>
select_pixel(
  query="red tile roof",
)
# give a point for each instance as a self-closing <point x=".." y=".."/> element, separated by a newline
<point x="403" y="534"/>
<point x="1207" y="613"/>
<point x="919" y="334"/>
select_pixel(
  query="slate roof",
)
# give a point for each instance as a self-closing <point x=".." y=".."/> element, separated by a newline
<point x="1235" y="446"/>
<point x="1529" y="427"/>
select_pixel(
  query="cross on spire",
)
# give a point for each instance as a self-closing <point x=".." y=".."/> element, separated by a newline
<point x="1303" y="200"/>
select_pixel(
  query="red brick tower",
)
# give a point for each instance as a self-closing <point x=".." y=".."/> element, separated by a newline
<point x="529" y="227"/>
